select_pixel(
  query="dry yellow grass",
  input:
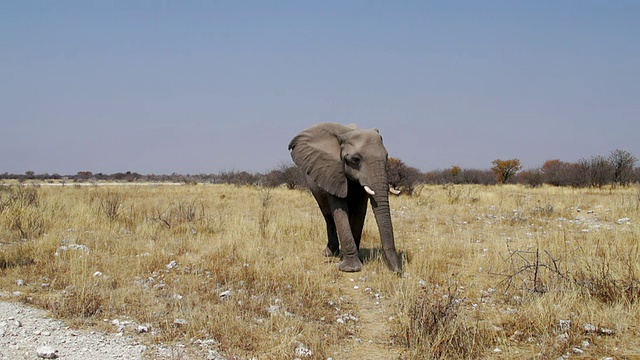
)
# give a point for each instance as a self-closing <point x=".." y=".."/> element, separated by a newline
<point x="492" y="272"/>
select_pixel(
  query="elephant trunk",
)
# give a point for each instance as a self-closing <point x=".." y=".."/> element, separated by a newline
<point x="381" y="210"/>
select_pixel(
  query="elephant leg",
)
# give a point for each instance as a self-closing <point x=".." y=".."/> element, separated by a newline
<point x="357" y="214"/>
<point x="333" y="245"/>
<point x="350" y="260"/>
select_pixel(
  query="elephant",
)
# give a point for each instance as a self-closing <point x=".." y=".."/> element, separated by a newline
<point x="345" y="168"/>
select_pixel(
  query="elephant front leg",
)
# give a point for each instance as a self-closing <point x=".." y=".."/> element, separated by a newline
<point x="350" y="260"/>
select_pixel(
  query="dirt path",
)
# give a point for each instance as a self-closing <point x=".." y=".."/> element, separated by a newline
<point x="373" y="333"/>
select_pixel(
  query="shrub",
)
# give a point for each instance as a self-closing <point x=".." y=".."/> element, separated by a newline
<point x="401" y="176"/>
<point x="22" y="211"/>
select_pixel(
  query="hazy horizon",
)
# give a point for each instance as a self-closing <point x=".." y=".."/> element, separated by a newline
<point x="191" y="87"/>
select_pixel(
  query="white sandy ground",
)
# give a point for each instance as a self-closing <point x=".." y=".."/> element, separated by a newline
<point x="25" y="330"/>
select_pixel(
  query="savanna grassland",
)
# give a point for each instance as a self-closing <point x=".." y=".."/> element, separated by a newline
<point x="490" y="271"/>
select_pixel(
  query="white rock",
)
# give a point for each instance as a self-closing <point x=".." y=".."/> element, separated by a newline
<point x="47" y="352"/>
<point x="590" y="328"/>
<point x="20" y="282"/>
<point x="142" y="329"/>
<point x="565" y="325"/>
<point x="225" y="294"/>
<point x="180" y="322"/>
<point x="346" y="317"/>
<point x="214" y="355"/>
<point x="172" y="265"/>
<point x="76" y="247"/>
<point x="605" y="331"/>
<point x="623" y="221"/>
<point x="302" y="350"/>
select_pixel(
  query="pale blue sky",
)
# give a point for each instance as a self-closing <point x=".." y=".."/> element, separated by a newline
<point x="205" y="86"/>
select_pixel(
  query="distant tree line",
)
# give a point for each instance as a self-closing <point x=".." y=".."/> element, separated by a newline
<point x="597" y="171"/>
<point x="617" y="169"/>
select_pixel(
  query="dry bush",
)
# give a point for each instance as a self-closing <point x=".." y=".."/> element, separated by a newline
<point x="438" y="328"/>
<point x="22" y="212"/>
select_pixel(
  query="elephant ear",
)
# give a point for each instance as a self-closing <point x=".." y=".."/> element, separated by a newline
<point x="317" y="152"/>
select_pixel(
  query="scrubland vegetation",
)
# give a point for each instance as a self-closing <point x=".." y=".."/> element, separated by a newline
<point x="491" y="271"/>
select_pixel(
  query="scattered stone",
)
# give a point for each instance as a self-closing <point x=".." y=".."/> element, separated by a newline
<point x="578" y="351"/>
<point x="623" y="221"/>
<point x="302" y="350"/>
<point x="207" y="342"/>
<point x="590" y="328"/>
<point x="342" y="319"/>
<point x="97" y="274"/>
<point x="215" y="355"/>
<point x="74" y="247"/>
<point x="20" y="282"/>
<point x="563" y="337"/>
<point x="180" y="322"/>
<point x="172" y="265"/>
<point x="565" y="325"/>
<point x="225" y="294"/>
<point x="143" y="329"/>
<point x="47" y="352"/>
<point x="606" y="331"/>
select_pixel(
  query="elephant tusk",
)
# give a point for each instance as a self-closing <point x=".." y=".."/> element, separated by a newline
<point x="393" y="190"/>
<point x="369" y="191"/>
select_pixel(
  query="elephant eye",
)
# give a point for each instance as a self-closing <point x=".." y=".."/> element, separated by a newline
<point x="355" y="160"/>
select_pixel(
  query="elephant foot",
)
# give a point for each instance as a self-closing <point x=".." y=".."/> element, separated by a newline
<point x="350" y="265"/>
<point x="331" y="253"/>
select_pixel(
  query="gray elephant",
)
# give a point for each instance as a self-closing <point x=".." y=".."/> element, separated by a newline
<point x="345" y="167"/>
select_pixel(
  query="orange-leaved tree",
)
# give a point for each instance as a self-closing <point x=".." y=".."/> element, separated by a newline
<point x="505" y="169"/>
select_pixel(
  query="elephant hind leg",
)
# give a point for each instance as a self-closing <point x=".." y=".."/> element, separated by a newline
<point x="357" y="214"/>
<point x="333" y="244"/>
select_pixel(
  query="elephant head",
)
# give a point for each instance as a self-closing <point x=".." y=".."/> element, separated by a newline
<point x="334" y="155"/>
